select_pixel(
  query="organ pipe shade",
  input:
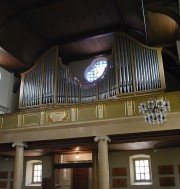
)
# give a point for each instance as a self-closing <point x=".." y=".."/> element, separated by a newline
<point x="133" y="68"/>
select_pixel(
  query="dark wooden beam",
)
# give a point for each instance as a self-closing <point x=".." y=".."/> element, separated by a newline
<point x="156" y="3"/>
<point x="40" y="5"/>
<point x="88" y="34"/>
<point x="73" y="165"/>
<point x="67" y="60"/>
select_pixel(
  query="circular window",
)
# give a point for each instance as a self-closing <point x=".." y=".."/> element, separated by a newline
<point x="96" y="69"/>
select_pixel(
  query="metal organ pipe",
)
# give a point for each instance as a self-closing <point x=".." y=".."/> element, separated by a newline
<point x="133" y="68"/>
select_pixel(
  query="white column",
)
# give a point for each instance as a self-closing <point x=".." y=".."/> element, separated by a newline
<point x="18" y="166"/>
<point x="95" y="184"/>
<point x="178" y="48"/>
<point x="103" y="161"/>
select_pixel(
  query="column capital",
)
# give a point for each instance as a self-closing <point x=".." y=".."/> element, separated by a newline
<point x="102" y="138"/>
<point x="19" y="144"/>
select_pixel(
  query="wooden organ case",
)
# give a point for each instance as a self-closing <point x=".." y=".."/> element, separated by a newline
<point x="133" y="68"/>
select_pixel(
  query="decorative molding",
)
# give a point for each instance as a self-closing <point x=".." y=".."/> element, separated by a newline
<point x="42" y="118"/>
<point x="129" y="108"/>
<point x="100" y="108"/>
<point x="57" y="116"/>
<point x="102" y="138"/>
<point x="73" y="114"/>
<point x="20" y="119"/>
<point x="19" y="144"/>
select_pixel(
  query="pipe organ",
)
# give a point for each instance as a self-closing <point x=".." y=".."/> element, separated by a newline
<point x="133" y="68"/>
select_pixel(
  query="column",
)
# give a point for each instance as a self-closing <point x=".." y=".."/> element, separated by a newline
<point x="95" y="184"/>
<point x="103" y="161"/>
<point x="18" y="166"/>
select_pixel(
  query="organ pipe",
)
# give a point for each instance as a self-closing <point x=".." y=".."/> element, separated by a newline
<point x="132" y="68"/>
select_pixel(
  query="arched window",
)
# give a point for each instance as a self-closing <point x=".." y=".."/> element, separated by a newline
<point x="96" y="69"/>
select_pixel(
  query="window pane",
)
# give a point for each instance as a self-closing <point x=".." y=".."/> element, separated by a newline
<point x="39" y="173"/>
<point x="146" y="163"/>
<point x="146" y="169"/>
<point x="39" y="179"/>
<point x="142" y="176"/>
<point x="35" y="173"/>
<point x="141" y="169"/>
<point x="147" y="176"/>
<point x="35" y="179"/>
<point x="35" y="167"/>
<point x="40" y="167"/>
<point x="137" y="163"/>
<point x="137" y="169"/>
<point x="141" y="162"/>
<point x="137" y="176"/>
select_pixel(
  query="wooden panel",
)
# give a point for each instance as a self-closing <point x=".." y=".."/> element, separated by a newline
<point x="46" y="183"/>
<point x="87" y="113"/>
<point x="57" y="116"/>
<point x="3" y="184"/>
<point x="31" y="119"/>
<point x="120" y="183"/>
<point x="179" y="169"/>
<point x="121" y="171"/>
<point x="3" y="175"/>
<point x="167" y="181"/>
<point x="10" y="122"/>
<point x="115" y="110"/>
<point x="80" y="178"/>
<point x="165" y="169"/>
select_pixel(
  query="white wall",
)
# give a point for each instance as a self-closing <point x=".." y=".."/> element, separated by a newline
<point x="161" y="157"/>
<point x="116" y="159"/>
<point x="46" y="166"/>
<point x="8" y="100"/>
<point x="7" y="164"/>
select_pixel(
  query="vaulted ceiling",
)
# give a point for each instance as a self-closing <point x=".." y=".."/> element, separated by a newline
<point x="83" y="29"/>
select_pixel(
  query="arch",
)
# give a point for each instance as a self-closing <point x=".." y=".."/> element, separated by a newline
<point x="167" y="12"/>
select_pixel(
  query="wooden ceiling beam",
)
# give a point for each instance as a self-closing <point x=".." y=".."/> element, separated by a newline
<point x="150" y="3"/>
<point x="41" y="5"/>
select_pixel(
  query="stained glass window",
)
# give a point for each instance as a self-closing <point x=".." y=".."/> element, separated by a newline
<point x="96" y="69"/>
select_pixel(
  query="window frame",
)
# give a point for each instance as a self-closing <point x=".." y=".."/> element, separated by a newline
<point x="135" y="173"/>
<point x="33" y="170"/>
<point x="133" y="178"/>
